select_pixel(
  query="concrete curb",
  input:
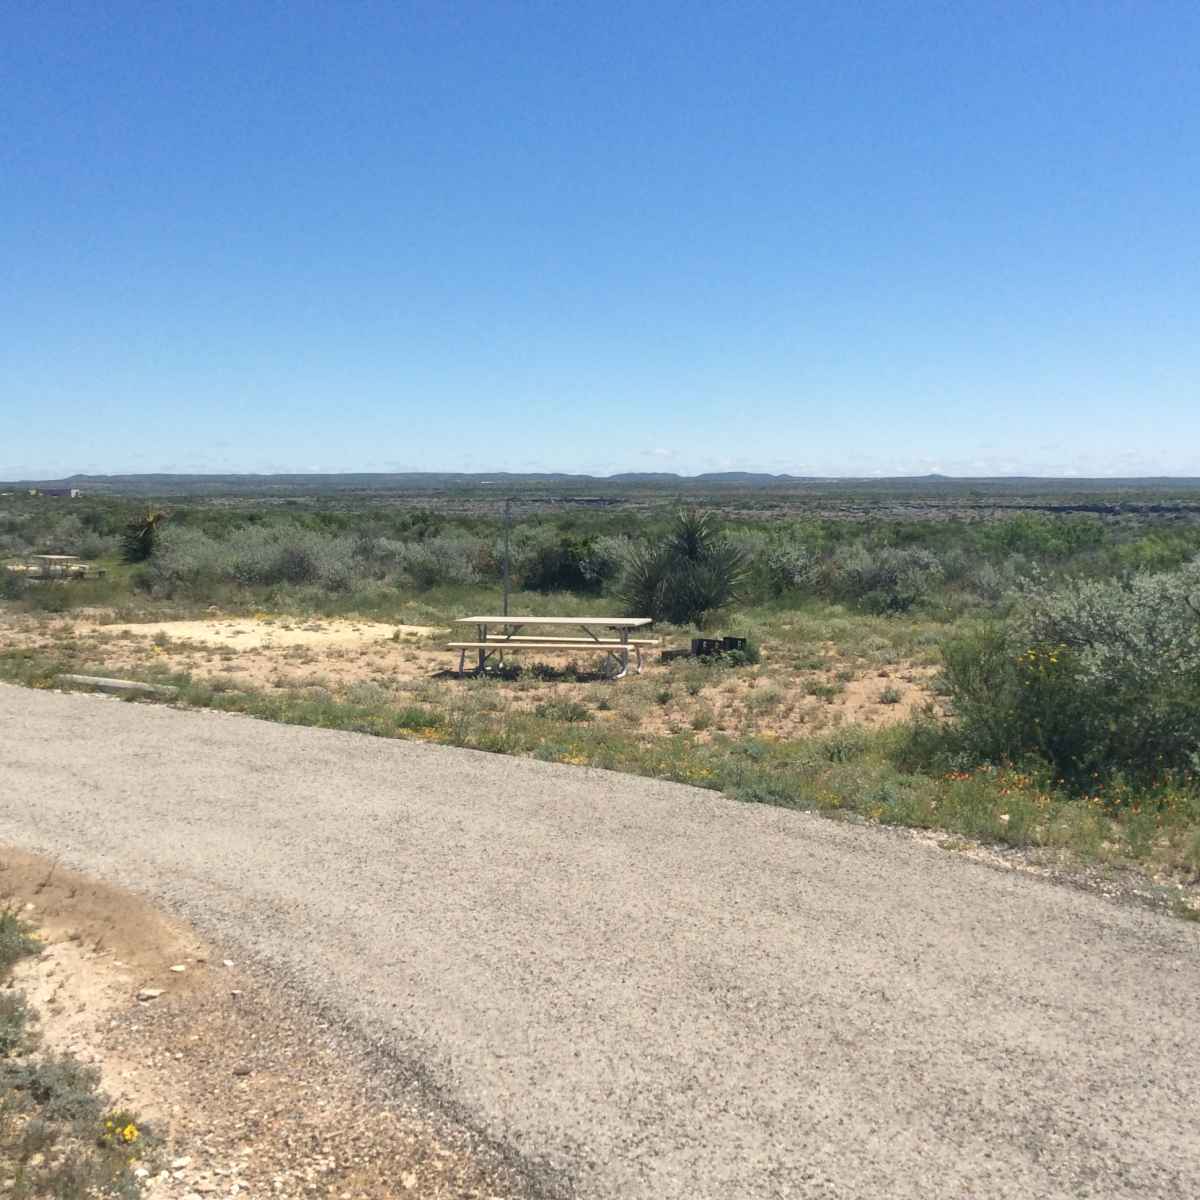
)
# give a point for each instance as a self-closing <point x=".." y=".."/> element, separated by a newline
<point x="115" y="687"/>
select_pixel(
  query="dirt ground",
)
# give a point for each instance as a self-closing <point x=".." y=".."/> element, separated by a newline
<point x="267" y="633"/>
<point x="247" y="1093"/>
<point x="347" y="658"/>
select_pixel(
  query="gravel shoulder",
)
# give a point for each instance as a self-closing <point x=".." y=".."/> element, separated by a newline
<point x="644" y="989"/>
<point x="248" y="1092"/>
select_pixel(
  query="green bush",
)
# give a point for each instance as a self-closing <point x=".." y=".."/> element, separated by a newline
<point x="780" y="564"/>
<point x="63" y="1088"/>
<point x="14" y="1017"/>
<point x="1095" y="678"/>
<point x="189" y="562"/>
<point x="12" y="585"/>
<point x="415" y="717"/>
<point x="887" y="579"/>
<point x="570" y="565"/>
<point x="16" y="941"/>
<point x="562" y="710"/>
<point x="749" y="655"/>
<point x="1044" y="537"/>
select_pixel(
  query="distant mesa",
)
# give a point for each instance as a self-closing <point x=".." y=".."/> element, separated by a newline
<point x="589" y="488"/>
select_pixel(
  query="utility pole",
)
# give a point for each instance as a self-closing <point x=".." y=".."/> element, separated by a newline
<point x="507" y="527"/>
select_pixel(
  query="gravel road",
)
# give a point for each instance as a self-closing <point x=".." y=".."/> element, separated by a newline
<point x="650" y="990"/>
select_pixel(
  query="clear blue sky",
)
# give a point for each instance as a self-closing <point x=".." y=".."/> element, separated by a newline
<point x="821" y="238"/>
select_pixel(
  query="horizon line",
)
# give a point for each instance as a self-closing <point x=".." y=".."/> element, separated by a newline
<point x="34" y="480"/>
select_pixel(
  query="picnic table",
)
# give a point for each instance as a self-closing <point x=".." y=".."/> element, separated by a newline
<point x="55" y="566"/>
<point x="616" y="645"/>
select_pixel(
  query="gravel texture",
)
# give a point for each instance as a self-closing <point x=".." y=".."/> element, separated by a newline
<point x="239" y="1088"/>
<point x="645" y="989"/>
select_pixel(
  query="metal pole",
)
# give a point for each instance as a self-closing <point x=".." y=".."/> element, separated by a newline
<point x="507" y="527"/>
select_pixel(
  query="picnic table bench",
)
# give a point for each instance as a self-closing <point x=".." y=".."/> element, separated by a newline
<point x="489" y="641"/>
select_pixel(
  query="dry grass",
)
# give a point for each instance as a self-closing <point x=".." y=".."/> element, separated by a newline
<point x="787" y="694"/>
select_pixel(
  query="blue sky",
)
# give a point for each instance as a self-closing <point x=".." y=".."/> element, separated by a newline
<point x="818" y="238"/>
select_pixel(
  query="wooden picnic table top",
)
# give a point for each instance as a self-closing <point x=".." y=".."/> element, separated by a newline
<point x="516" y="619"/>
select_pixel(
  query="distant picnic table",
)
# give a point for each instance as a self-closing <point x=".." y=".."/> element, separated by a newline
<point x="55" y="566"/>
<point x="607" y="634"/>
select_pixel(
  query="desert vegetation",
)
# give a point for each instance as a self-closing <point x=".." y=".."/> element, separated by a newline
<point x="59" y="1135"/>
<point x="1022" y="675"/>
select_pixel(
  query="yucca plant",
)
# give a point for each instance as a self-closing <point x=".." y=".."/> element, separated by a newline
<point x="687" y="579"/>
<point x="140" y="537"/>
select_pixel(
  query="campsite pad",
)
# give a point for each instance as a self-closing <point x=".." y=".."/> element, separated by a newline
<point x="376" y="662"/>
<point x="251" y="633"/>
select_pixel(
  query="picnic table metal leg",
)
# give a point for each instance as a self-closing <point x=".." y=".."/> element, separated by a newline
<point x="621" y="658"/>
<point x="482" y="652"/>
<point x="462" y="662"/>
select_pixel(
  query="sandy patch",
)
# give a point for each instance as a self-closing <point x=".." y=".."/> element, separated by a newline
<point x="266" y="633"/>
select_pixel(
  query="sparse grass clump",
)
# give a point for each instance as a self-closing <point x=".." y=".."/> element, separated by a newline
<point x="569" y="711"/>
<point x="16" y="940"/>
<point x="14" y="1022"/>
<point x="59" y="1139"/>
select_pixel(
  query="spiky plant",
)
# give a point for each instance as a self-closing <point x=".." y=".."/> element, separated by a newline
<point x="687" y="579"/>
<point x="140" y="537"/>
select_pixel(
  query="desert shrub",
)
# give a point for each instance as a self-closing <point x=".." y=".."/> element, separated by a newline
<point x="844" y="745"/>
<point x="187" y="561"/>
<point x="570" y="565"/>
<point x="987" y="582"/>
<point x="61" y="536"/>
<point x="688" y="578"/>
<point x="12" y="585"/>
<point x="447" y="558"/>
<point x="785" y="565"/>
<point x="1093" y="678"/>
<point x="1043" y="537"/>
<point x="1157" y="551"/>
<point x="14" y="1017"/>
<point x="886" y="579"/>
<point x="562" y="710"/>
<point x="16" y="940"/>
<point x="63" y="1088"/>
<point x="748" y="656"/>
<point x="96" y="545"/>
<point x="58" y="596"/>
<point x="414" y="716"/>
<point x="290" y="555"/>
<point x="614" y="549"/>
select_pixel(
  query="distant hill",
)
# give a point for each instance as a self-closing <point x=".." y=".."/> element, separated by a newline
<point x="300" y="484"/>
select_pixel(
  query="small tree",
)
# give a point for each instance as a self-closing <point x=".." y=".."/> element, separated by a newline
<point x="687" y="579"/>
